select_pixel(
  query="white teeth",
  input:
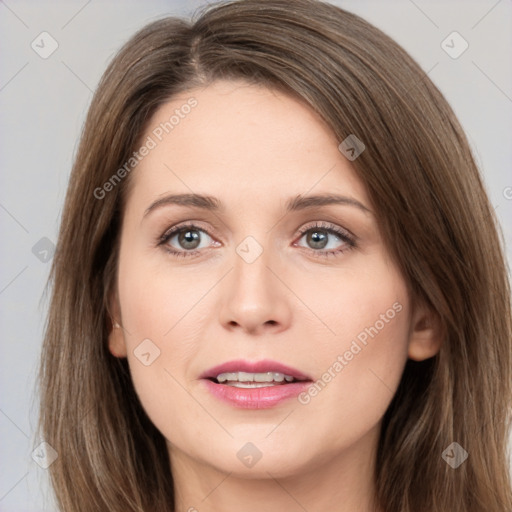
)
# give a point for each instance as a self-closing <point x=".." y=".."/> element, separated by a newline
<point x="251" y="384"/>
<point x="245" y="377"/>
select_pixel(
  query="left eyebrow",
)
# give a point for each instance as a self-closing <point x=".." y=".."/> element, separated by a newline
<point x="305" y="202"/>
<point x="214" y="204"/>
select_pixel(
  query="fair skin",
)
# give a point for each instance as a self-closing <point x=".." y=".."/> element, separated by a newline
<point x="254" y="149"/>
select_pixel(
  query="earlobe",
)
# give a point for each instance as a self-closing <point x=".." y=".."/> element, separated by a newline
<point x="426" y="335"/>
<point x="116" y="342"/>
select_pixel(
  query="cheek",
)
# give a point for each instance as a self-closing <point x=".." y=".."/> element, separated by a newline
<point x="162" y="315"/>
<point x="360" y="363"/>
<point x="155" y="301"/>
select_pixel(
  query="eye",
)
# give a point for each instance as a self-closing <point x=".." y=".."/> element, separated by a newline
<point x="321" y="235"/>
<point x="188" y="239"/>
<point x="185" y="240"/>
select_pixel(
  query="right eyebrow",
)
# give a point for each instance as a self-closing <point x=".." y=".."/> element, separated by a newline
<point x="192" y="200"/>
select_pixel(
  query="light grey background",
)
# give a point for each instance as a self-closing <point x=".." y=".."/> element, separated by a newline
<point x="43" y="103"/>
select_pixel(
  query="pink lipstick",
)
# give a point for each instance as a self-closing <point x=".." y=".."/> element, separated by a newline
<point x="254" y="384"/>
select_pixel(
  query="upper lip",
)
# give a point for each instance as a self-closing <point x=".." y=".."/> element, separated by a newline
<point x="262" y="366"/>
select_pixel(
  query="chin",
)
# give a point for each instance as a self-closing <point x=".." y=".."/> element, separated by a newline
<point x="259" y="460"/>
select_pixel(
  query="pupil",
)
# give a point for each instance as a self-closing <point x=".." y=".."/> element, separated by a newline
<point x="318" y="239"/>
<point x="189" y="237"/>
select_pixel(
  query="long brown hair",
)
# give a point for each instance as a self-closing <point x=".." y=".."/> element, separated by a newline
<point x="434" y="215"/>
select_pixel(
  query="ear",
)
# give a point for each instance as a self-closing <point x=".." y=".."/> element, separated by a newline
<point x="116" y="341"/>
<point x="426" y="333"/>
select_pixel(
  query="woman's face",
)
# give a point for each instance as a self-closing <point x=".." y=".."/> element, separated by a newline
<point x="266" y="276"/>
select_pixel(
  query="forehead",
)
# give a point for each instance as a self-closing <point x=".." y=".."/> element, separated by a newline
<point x="241" y="141"/>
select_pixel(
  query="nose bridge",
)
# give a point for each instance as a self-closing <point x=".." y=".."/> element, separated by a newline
<point x="254" y="297"/>
<point x="253" y="256"/>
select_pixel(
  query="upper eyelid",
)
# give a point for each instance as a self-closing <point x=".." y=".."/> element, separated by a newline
<point x="183" y="225"/>
<point x="326" y="225"/>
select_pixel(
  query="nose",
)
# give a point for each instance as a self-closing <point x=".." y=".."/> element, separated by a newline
<point x="254" y="297"/>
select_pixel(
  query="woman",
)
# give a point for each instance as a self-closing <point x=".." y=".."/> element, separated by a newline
<point x="278" y="282"/>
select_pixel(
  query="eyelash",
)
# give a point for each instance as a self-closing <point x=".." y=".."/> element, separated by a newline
<point x="320" y="226"/>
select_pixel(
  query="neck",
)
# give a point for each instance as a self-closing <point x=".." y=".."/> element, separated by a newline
<point x="343" y="482"/>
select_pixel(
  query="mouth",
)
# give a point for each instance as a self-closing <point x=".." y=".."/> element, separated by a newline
<point x="254" y="380"/>
<point x="254" y="385"/>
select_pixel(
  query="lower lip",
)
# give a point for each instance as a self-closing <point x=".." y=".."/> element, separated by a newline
<point x="256" y="398"/>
